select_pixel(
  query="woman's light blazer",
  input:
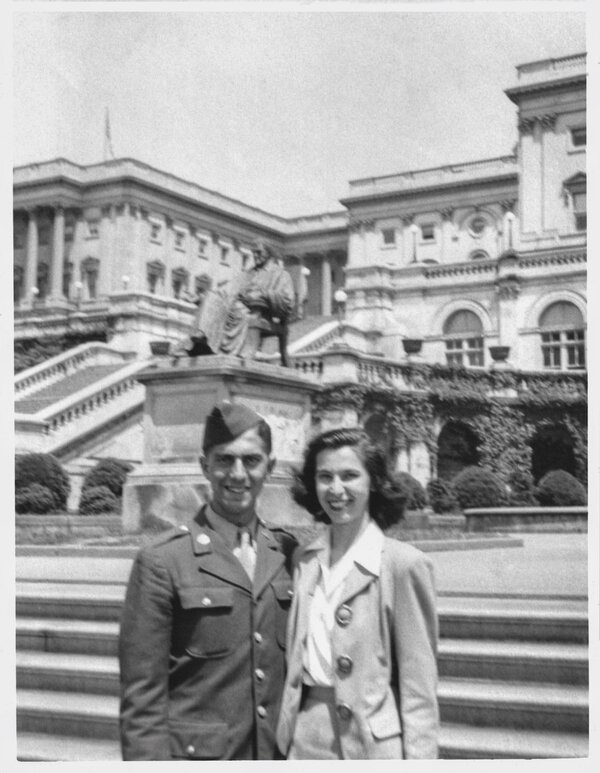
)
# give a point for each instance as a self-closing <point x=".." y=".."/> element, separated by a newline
<point x="386" y="624"/>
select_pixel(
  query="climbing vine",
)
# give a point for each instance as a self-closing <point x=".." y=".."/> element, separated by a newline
<point x="504" y="409"/>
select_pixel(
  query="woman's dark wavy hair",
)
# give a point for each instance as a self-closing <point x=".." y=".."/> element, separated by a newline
<point x="387" y="498"/>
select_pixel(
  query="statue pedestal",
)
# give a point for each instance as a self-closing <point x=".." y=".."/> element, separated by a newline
<point x="169" y="485"/>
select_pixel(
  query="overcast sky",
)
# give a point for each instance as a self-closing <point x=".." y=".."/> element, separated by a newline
<point x="279" y="110"/>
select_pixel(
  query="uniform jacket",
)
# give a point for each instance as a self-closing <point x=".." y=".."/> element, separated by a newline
<point x="202" y="648"/>
<point x="384" y="654"/>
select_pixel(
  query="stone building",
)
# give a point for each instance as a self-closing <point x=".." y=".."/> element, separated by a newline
<point x="478" y="265"/>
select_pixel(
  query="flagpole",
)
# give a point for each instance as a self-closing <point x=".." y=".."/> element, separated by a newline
<point x="108" y="148"/>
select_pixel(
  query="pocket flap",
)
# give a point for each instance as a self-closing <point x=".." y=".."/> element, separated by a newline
<point x="205" y="598"/>
<point x="385" y="724"/>
<point x="198" y="740"/>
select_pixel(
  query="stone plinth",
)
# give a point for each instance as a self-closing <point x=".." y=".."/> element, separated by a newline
<point x="169" y="485"/>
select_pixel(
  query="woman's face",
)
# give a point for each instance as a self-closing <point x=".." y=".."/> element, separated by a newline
<point x="342" y="484"/>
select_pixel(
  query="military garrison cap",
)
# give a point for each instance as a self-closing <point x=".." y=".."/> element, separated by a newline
<point x="226" y="422"/>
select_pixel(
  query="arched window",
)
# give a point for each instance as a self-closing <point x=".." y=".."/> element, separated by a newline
<point x="563" y="336"/>
<point x="478" y="255"/>
<point x="463" y="332"/>
<point x="155" y="276"/>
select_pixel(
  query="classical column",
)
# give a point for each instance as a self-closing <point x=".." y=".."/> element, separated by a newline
<point x="326" y="285"/>
<point x="32" y="255"/>
<point x="58" y="254"/>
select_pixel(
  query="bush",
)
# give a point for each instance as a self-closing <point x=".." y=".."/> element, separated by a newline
<point x="110" y="473"/>
<point x="478" y="487"/>
<point x="441" y="496"/>
<point x="416" y="498"/>
<point x="98" y="499"/>
<point x="521" y="489"/>
<point x="34" y="499"/>
<point x="45" y="470"/>
<point x="560" y="489"/>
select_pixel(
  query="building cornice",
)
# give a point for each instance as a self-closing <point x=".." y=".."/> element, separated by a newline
<point x="515" y="93"/>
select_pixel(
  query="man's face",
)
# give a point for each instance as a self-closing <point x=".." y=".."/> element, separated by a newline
<point x="260" y="254"/>
<point x="236" y="472"/>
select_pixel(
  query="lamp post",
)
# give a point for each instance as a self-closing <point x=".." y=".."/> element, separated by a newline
<point x="34" y="293"/>
<point x="340" y="297"/>
<point x="125" y="282"/>
<point x="414" y="229"/>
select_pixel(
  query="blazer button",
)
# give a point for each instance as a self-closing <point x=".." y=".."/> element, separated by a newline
<point x="343" y="615"/>
<point x="190" y="750"/>
<point x="257" y="637"/>
<point x="259" y="674"/>
<point x="344" y="664"/>
<point x="261" y="711"/>
<point x="343" y="711"/>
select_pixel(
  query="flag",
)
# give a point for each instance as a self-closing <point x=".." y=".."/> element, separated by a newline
<point x="108" y="148"/>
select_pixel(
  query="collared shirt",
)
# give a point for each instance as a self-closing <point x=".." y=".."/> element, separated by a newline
<point x="365" y="551"/>
<point x="229" y="532"/>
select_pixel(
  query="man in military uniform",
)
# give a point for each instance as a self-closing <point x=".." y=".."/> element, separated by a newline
<point x="202" y="640"/>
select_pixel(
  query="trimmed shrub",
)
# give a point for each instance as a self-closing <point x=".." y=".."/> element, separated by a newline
<point x="45" y="470"/>
<point x="521" y="489"/>
<point x="108" y="472"/>
<point x="559" y="488"/>
<point x="478" y="487"/>
<point x="441" y="496"/>
<point x="416" y="498"/>
<point x="98" y="499"/>
<point x="34" y="499"/>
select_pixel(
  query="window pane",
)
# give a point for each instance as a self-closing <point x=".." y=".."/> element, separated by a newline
<point x="389" y="235"/>
<point x="578" y="136"/>
<point x="561" y="314"/>
<point x="463" y="321"/>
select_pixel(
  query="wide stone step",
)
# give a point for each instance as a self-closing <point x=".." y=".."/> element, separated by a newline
<point x="68" y="713"/>
<point x="466" y="618"/>
<point x="70" y="600"/>
<point x="561" y="663"/>
<point x="485" y="702"/>
<point x="464" y="742"/>
<point x="94" y="674"/>
<point x="516" y="619"/>
<point x="90" y="637"/>
<point x="42" y="747"/>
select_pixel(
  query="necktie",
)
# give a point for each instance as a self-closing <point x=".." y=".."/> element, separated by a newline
<point x="246" y="553"/>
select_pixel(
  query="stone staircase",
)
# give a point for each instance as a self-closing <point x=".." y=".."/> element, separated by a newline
<point x="513" y="674"/>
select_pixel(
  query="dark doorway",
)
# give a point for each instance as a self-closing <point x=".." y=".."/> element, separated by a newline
<point x="457" y="449"/>
<point x="552" y="449"/>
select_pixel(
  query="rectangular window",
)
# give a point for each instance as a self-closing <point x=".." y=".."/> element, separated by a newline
<point x="389" y="236"/>
<point x="224" y="254"/>
<point x="154" y="232"/>
<point x="179" y="240"/>
<point x="467" y="352"/>
<point x="93" y="229"/>
<point x="428" y="232"/>
<point x="202" y="245"/>
<point x="18" y="239"/>
<point x="578" y="136"/>
<point x="580" y="210"/>
<point x="44" y="235"/>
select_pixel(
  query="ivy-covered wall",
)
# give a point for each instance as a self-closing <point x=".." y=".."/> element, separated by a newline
<point x="33" y="351"/>
<point x="504" y="409"/>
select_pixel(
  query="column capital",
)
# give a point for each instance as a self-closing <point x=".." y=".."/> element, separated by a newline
<point x="408" y="219"/>
<point x="507" y="205"/>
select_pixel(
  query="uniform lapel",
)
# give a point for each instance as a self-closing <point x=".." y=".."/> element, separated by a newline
<point x="269" y="559"/>
<point x="213" y="555"/>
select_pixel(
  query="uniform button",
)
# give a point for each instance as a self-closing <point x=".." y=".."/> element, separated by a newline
<point x="203" y="539"/>
<point x="259" y="674"/>
<point x="183" y="527"/>
<point x="261" y="711"/>
<point x="343" y="711"/>
<point x="257" y="637"/>
<point x="290" y="593"/>
<point x="190" y="750"/>
<point x="343" y="615"/>
<point x="344" y="664"/>
<point x="206" y="602"/>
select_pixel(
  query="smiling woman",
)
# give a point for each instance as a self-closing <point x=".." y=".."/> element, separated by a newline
<point x="363" y="614"/>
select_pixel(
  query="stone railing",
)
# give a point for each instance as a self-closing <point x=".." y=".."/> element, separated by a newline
<point x="546" y="69"/>
<point x="470" y="268"/>
<point x="552" y="259"/>
<point x="311" y="367"/>
<point x="440" y="175"/>
<point x="83" y="412"/>
<point x="65" y="363"/>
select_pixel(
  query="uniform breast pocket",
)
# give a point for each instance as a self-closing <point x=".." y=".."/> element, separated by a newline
<point x="284" y="593"/>
<point x="207" y="627"/>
